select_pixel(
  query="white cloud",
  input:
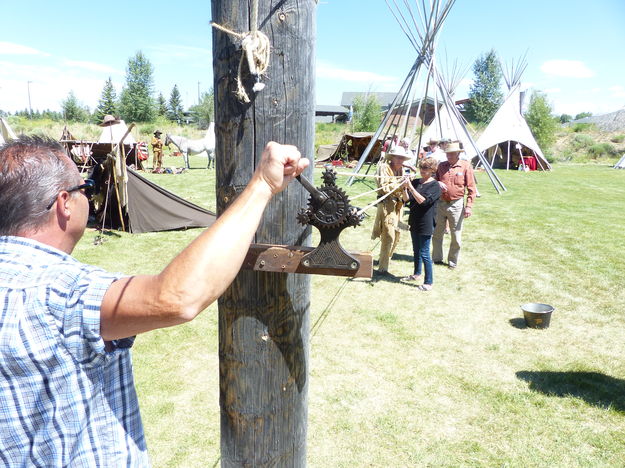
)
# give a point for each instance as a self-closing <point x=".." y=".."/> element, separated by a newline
<point x="9" y="48"/>
<point x="567" y="68"/>
<point x="552" y="90"/>
<point x="617" y="91"/>
<point x="92" y="66"/>
<point x="197" y="57"/>
<point x="48" y="86"/>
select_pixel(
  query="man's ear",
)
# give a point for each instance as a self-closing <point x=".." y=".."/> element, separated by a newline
<point x="63" y="204"/>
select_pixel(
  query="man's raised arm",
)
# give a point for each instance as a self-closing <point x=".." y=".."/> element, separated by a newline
<point x="205" y="268"/>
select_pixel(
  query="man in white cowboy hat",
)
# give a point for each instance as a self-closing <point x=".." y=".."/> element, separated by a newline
<point x="389" y="178"/>
<point x="456" y="178"/>
<point x="157" y="150"/>
<point x="435" y="151"/>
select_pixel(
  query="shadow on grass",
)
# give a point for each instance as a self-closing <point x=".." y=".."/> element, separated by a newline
<point x="518" y="323"/>
<point x="594" y="388"/>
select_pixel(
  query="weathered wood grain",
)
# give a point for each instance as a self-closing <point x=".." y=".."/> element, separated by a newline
<point x="264" y="317"/>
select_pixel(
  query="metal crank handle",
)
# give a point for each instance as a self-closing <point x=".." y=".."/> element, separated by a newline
<point x="318" y="195"/>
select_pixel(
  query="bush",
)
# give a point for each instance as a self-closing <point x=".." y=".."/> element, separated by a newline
<point x="582" y="127"/>
<point x="618" y="139"/>
<point x="602" y="149"/>
<point x="582" y="141"/>
<point x="540" y="121"/>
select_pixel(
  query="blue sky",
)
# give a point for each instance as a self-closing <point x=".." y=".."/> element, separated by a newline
<point x="575" y="49"/>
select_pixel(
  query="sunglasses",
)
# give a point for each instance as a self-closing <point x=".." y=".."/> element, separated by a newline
<point x="87" y="188"/>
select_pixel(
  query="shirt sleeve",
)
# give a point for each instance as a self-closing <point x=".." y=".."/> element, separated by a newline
<point x="470" y="184"/>
<point x="81" y="323"/>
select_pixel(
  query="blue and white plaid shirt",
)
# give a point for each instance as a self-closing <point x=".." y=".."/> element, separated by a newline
<point x="64" y="400"/>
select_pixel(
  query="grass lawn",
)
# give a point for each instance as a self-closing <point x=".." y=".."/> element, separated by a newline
<point x="450" y="377"/>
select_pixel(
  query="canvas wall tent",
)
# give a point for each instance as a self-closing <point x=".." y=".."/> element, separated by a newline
<point x="6" y="132"/>
<point x="133" y="203"/>
<point x="151" y="208"/>
<point x="620" y="164"/>
<point x="123" y="198"/>
<point x="114" y="132"/>
<point x="507" y="136"/>
<point x="350" y="148"/>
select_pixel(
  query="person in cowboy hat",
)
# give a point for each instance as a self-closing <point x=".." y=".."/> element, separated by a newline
<point x="157" y="150"/>
<point x="456" y="179"/>
<point x="386" y="225"/>
<point x="435" y="150"/>
<point x="109" y="120"/>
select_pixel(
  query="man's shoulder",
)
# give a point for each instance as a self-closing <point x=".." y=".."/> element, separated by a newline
<point x="27" y="262"/>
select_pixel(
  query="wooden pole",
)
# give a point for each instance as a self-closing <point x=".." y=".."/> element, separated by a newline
<point x="264" y="317"/>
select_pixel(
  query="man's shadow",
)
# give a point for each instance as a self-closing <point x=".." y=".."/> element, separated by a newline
<point x="594" y="388"/>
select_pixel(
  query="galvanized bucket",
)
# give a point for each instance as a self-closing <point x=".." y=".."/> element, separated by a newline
<point x="537" y="315"/>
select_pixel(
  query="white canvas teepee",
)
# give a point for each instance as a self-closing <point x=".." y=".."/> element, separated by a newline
<point x="450" y="124"/>
<point x="6" y="133"/>
<point x="508" y="127"/>
<point x="620" y="164"/>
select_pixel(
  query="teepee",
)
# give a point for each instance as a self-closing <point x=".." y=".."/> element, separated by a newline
<point x="447" y="123"/>
<point x="620" y="164"/>
<point x="6" y="133"/>
<point x="507" y="136"/>
<point x="422" y="25"/>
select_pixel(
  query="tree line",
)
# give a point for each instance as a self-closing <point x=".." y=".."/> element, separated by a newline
<point x="136" y="102"/>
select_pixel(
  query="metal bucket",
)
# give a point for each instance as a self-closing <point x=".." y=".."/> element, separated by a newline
<point x="537" y="315"/>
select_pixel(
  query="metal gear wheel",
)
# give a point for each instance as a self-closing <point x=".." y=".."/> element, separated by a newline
<point x="333" y="211"/>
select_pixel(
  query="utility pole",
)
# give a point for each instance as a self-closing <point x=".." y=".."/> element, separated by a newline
<point x="264" y="317"/>
<point x="30" y="108"/>
<point x="198" y="93"/>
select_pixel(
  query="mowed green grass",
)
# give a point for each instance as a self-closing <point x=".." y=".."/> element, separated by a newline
<point x="450" y="377"/>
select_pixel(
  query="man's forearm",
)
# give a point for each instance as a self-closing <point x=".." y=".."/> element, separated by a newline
<point x="203" y="270"/>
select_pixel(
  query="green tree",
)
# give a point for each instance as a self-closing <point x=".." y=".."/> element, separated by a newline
<point x="542" y="124"/>
<point x="107" y="103"/>
<point x="73" y="111"/>
<point x="583" y="115"/>
<point x="161" y="105"/>
<point x="565" y="118"/>
<point x="366" y="113"/>
<point x="174" y="107"/>
<point x="136" y="101"/>
<point x="204" y="112"/>
<point x="485" y="94"/>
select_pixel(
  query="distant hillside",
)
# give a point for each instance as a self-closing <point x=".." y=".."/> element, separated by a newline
<point x="612" y="122"/>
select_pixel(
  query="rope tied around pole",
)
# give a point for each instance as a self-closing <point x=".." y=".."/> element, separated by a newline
<point x="256" y="48"/>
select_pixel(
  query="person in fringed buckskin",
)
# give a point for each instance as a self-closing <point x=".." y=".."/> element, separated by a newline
<point x="157" y="150"/>
<point x="389" y="178"/>
<point x="67" y="393"/>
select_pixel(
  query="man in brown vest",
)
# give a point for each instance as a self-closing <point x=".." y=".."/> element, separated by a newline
<point x="157" y="150"/>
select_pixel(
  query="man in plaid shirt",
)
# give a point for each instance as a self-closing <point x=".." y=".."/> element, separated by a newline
<point x="67" y="395"/>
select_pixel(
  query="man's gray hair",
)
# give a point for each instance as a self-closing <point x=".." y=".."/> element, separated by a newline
<point x="33" y="170"/>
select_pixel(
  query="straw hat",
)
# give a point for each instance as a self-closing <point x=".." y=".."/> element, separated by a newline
<point x="454" y="147"/>
<point x="398" y="152"/>
<point x="433" y="141"/>
<point x="108" y="120"/>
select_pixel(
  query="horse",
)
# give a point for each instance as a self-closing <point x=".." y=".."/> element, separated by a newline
<point x="190" y="147"/>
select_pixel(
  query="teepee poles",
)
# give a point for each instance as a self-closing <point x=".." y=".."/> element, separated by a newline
<point x="422" y="30"/>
